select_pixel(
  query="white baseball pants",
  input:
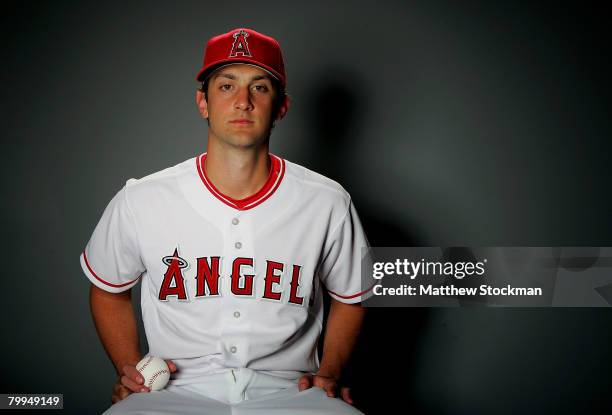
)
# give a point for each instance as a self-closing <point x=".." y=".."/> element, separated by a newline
<point x="234" y="392"/>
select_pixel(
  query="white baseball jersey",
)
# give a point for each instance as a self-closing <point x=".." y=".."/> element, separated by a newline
<point x="230" y="283"/>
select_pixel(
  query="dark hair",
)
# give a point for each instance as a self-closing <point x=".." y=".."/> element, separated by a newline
<point x="279" y="97"/>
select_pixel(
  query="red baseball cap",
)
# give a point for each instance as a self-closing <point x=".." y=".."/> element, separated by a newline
<point x="244" y="46"/>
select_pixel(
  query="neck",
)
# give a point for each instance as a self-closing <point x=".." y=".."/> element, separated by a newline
<point x="237" y="172"/>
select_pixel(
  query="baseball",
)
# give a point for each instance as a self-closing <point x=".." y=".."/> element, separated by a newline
<point x="154" y="371"/>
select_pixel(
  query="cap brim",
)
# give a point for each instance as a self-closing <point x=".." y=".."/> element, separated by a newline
<point x="205" y="73"/>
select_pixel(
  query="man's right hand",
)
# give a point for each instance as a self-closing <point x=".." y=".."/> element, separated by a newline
<point x="131" y="381"/>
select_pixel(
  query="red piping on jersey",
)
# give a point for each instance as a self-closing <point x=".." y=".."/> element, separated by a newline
<point x="347" y="297"/>
<point x="100" y="279"/>
<point x="277" y="171"/>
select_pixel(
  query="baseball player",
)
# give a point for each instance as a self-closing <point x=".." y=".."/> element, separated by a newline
<point x="233" y="249"/>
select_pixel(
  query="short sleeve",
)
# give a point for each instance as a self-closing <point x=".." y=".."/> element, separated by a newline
<point x="111" y="259"/>
<point x="340" y="269"/>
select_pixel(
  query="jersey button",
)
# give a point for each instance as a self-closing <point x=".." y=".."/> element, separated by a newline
<point x="235" y="221"/>
<point x="233" y="349"/>
<point x="236" y="314"/>
<point x="238" y="245"/>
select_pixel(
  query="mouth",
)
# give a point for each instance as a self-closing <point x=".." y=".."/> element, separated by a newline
<point x="241" y="121"/>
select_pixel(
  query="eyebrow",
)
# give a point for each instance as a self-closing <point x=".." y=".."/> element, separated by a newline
<point x="233" y="77"/>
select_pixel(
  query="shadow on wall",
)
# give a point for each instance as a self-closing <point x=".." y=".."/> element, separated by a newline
<point x="380" y="371"/>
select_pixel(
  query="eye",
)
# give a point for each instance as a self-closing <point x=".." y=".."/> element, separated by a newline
<point x="260" y="88"/>
<point x="225" y="87"/>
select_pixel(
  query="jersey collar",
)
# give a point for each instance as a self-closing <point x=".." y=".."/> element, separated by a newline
<point x="277" y="171"/>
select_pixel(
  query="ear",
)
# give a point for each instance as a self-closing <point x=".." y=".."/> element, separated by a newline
<point x="282" y="111"/>
<point x="202" y="104"/>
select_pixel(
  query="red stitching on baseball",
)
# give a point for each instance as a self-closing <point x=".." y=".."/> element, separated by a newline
<point x="155" y="375"/>
<point x="145" y="364"/>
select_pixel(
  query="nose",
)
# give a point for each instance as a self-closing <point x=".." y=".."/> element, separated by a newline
<point x="243" y="100"/>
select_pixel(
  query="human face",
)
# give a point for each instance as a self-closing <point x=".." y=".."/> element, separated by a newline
<point x="239" y="105"/>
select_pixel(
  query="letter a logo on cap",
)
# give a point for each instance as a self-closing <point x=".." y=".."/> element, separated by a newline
<point x="240" y="45"/>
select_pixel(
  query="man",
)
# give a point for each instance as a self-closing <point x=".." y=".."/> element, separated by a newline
<point x="233" y="249"/>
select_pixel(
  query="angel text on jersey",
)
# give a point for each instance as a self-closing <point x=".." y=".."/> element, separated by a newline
<point x="242" y="284"/>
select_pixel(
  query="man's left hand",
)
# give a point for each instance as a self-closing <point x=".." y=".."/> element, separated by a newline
<point x="327" y="383"/>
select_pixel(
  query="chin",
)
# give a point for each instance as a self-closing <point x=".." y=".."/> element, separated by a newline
<point x="247" y="142"/>
<point x="246" y="139"/>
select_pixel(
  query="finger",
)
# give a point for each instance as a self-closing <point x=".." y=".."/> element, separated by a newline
<point x="346" y="395"/>
<point x="319" y="382"/>
<point x="322" y="382"/>
<point x="330" y="388"/>
<point x="117" y="388"/>
<point x="124" y="393"/>
<point x="133" y="373"/>
<point x="119" y="393"/>
<point x="171" y="366"/>
<point x="305" y="382"/>
<point x="133" y="386"/>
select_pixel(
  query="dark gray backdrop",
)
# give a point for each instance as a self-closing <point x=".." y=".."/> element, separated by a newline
<point x="485" y="123"/>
